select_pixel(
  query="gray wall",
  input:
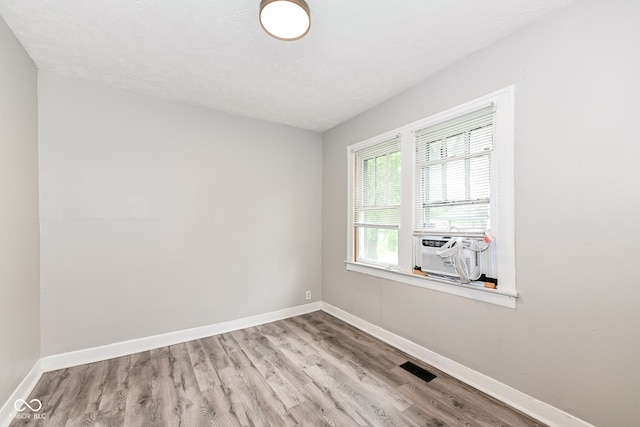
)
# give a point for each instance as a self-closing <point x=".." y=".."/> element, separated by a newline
<point x="160" y="216"/>
<point x="573" y="341"/>
<point x="19" y="227"/>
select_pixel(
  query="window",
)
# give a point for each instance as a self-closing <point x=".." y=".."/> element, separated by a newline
<point x="377" y="203"/>
<point x="453" y="170"/>
<point x="431" y="203"/>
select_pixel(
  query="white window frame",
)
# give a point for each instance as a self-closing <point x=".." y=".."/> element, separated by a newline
<point x="503" y="195"/>
<point x="356" y="152"/>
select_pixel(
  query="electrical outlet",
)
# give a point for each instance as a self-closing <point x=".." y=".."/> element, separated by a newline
<point x="308" y="295"/>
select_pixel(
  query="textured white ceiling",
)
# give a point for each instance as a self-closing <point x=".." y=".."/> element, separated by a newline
<point x="214" y="52"/>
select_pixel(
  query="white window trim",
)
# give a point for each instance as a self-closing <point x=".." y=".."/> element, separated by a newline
<point x="504" y="155"/>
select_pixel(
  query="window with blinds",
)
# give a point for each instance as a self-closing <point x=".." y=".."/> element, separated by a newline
<point x="456" y="169"/>
<point x="377" y="203"/>
<point x="453" y="174"/>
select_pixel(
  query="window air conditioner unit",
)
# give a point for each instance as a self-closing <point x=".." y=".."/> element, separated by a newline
<point x="481" y="266"/>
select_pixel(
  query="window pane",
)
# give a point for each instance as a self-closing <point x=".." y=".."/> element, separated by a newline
<point x="381" y="216"/>
<point x="432" y="183"/>
<point x="456" y="180"/>
<point x="378" y="245"/>
<point x="394" y="178"/>
<point x="434" y="151"/>
<point x="369" y="182"/>
<point x="479" y="182"/>
<point x="481" y="139"/>
<point x="456" y="146"/>
<point x="377" y="184"/>
<point x="381" y="180"/>
<point x="473" y="217"/>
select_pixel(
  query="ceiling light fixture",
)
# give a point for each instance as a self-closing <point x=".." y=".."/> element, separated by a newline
<point x="285" y="19"/>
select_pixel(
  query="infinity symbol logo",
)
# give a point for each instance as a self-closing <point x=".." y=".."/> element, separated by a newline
<point x="18" y="405"/>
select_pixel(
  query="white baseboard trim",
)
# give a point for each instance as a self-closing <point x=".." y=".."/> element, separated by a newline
<point x="521" y="401"/>
<point x="123" y="348"/>
<point x="8" y="411"/>
<point x="512" y="397"/>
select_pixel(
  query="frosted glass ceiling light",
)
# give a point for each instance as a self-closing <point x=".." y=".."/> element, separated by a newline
<point x="285" y="19"/>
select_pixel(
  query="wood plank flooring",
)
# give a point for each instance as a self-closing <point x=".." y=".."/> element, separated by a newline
<point x="310" y="370"/>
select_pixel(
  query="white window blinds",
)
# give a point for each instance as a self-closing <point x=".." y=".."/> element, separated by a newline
<point x="377" y="185"/>
<point x="376" y="207"/>
<point x="453" y="174"/>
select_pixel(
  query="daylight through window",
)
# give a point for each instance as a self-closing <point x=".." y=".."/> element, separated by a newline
<point x="377" y="203"/>
<point x="431" y="203"/>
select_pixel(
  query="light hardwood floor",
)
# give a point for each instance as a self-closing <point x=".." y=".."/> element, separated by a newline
<point x="310" y="370"/>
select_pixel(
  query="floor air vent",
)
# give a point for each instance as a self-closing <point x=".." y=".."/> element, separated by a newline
<point x="416" y="370"/>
